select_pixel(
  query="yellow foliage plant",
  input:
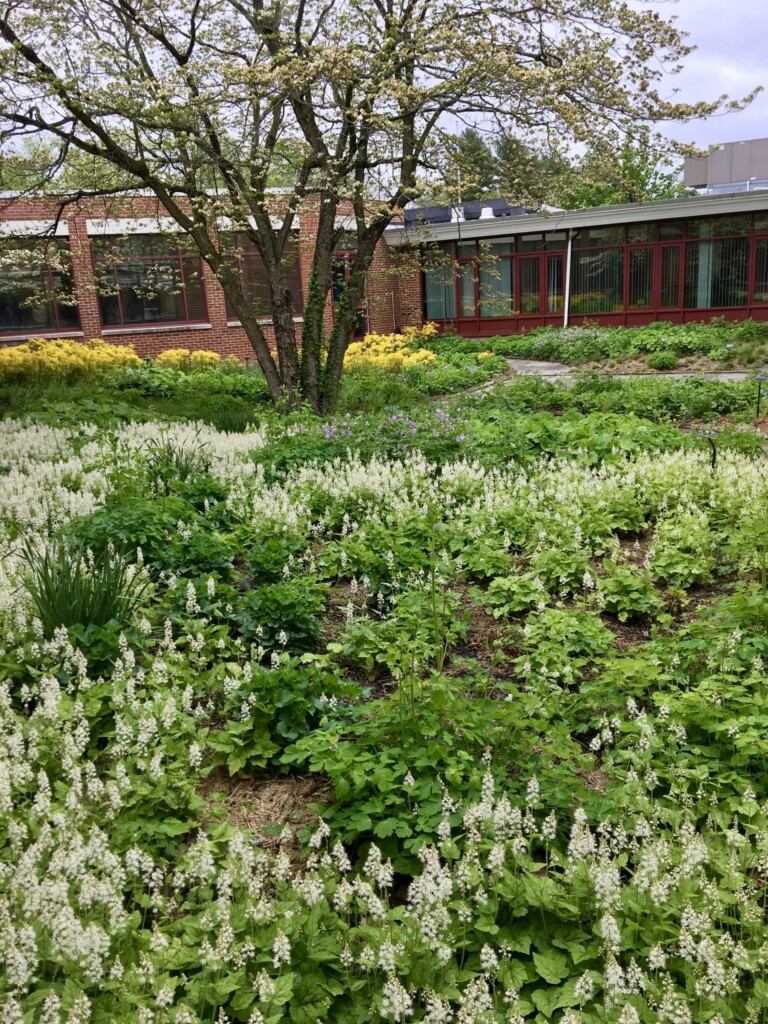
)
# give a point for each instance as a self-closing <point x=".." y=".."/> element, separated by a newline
<point x="391" y="352"/>
<point x="63" y="358"/>
<point x="182" y="359"/>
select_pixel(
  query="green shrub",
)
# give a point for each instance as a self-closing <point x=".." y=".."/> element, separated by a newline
<point x="662" y="361"/>
<point x="283" y="616"/>
<point x="628" y="592"/>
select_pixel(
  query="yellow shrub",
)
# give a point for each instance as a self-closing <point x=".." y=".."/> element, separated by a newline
<point x="60" y="357"/>
<point x="390" y="352"/>
<point x="418" y="335"/>
<point x="485" y="355"/>
<point x="182" y="358"/>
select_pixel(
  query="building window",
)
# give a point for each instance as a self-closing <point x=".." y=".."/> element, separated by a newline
<point x="530" y="287"/>
<point x="343" y="257"/>
<point x="718" y="227"/>
<point x="148" y="279"/>
<point x="495" y="278"/>
<point x="439" y="282"/>
<point x="254" y="279"/>
<point x="670" y="231"/>
<point x="669" y="292"/>
<point x="36" y="293"/>
<point x="716" y="273"/>
<point x="641" y="233"/>
<point x="597" y="281"/>
<point x="555" y="284"/>
<point x="761" y="270"/>
<point x="597" y="238"/>
<point x="640" y="278"/>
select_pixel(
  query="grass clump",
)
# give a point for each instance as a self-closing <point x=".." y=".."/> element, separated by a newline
<point x="69" y="586"/>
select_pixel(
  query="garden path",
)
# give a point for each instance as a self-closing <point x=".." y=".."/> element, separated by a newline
<point x="561" y="371"/>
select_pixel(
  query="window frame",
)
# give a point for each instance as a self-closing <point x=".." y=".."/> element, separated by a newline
<point x="114" y="261"/>
<point x="46" y="273"/>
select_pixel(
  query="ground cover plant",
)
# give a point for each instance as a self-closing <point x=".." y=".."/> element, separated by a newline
<point x="516" y="641"/>
<point x="724" y="343"/>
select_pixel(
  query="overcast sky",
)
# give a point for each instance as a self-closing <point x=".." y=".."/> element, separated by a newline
<point x="731" y="56"/>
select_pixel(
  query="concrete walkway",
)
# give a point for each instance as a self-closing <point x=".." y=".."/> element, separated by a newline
<point x="560" y="371"/>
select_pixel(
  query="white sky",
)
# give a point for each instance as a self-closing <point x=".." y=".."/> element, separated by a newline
<point x="731" y="56"/>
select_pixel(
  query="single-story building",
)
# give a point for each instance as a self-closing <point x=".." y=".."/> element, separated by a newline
<point x="489" y="268"/>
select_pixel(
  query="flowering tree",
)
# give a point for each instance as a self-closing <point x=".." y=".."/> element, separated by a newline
<point x="206" y="102"/>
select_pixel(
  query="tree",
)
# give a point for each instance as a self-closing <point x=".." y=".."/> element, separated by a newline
<point x="472" y="165"/>
<point x="196" y="100"/>
<point x="631" y="171"/>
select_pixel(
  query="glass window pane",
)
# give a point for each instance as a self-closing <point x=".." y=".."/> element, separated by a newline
<point x="150" y="292"/>
<point x="145" y="279"/>
<point x="670" y="276"/>
<point x="597" y="281"/>
<point x="135" y="247"/>
<point x="467" y="289"/>
<point x="640" y="278"/>
<point x="465" y="250"/>
<point x="554" y="284"/>
<point x="26" y="300"/>
<point x="505" y="248"/>
<point x="670" y="230"/>
<point x="531" y="243"/>
<point x="594" y="237"/>
<point x="440" y="292"/>
<point x="642" y="232"/>
<point x="36" y="291"/>
<point x="347" y="242"/>
<point x="716" y="273"/>
<point x="254" y="280"/>
<point x="194" y="292"/>
<point x="530" y="292"/>
<point x="555" y="240"/>
<point x="496" y="298"/>
<point x="338" y="282"/>
<point x="717" y="227"/>
<point x="761" y="222"/>
<point x="761" y="270"/>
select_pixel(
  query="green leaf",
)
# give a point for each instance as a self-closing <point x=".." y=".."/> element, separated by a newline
<point x="546" y="1000"/>
<point x="551" y="966"/>
<point x="283" y="989"/>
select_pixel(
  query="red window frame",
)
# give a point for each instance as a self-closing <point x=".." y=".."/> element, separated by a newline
<point x="115" y="261"/>
<point x="46" y="273"/>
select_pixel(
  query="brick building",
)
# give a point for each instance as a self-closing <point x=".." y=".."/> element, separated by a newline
<point x="121" y="269"/>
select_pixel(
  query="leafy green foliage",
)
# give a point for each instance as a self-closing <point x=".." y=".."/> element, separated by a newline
<point x="662" y="361"/>
<point x="628" y="592"/>
<point x="71" y="587"/>
<point x="581" y="800"/>
<point x="272" y="708"/>
<point x="283" y="616"/>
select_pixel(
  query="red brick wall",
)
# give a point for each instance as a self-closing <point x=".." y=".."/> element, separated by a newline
<point x="385" y="293"/>
<point x="409" y="301"/>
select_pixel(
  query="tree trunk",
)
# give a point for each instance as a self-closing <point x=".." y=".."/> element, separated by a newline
<point x="344" y="322"/>
<point x="313" y="332"/>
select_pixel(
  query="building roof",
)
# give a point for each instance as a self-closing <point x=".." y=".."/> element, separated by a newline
<point x="436" y="224"/>
<point x="470" y="210"/>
